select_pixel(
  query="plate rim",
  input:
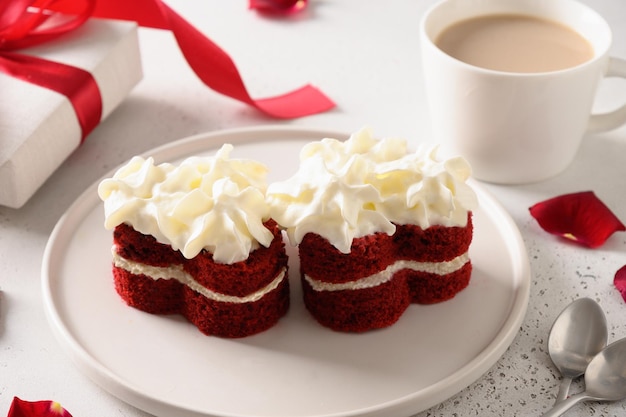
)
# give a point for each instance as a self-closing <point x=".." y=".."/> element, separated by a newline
<point x="436" y="393"/>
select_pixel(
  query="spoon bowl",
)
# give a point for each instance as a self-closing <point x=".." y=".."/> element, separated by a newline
<point x="578" y="334"/>
<point x="605" y="379"/>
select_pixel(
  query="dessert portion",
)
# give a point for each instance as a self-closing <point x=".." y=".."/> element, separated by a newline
<point x="196" y="239"/>
<point x="377" y="228"/>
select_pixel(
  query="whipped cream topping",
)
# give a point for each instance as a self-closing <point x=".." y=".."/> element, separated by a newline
<point x="214" y="203"/>
<point x="379" y="278"/>
<point x="349" y="189"/>
<point x="179" y="274"/>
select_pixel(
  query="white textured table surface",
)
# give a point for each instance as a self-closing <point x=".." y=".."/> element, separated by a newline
<point x="364" y="55"/>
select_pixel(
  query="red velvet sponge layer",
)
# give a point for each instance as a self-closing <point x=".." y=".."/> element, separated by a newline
<point x="377" y="307"/>
<point x="212" y="317"/>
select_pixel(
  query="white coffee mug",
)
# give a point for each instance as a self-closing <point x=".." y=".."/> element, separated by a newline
<point x="516" y="128"/>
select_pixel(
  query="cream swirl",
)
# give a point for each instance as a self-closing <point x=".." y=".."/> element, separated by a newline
<point x="214" y="203"/>
<point x="348" y="189"/>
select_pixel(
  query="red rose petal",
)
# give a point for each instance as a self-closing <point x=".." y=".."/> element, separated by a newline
<point x="620" y="281"/>
<point x="580" y="217"/>
<point x="21" y="408"/>
<point x="277" y="6"/>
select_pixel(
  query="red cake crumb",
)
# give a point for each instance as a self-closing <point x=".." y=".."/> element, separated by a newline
<point x="358" y="310"/>
<point x="430" y="288"/>
<point x="219" y="318"/>
<point x="368" y="255"/>
<point x="243" y="277"/>
<point x="138" y="247"/>
<point x="435" y="244"/>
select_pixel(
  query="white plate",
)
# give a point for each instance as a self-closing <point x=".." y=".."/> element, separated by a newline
<point x="165" y="366"/>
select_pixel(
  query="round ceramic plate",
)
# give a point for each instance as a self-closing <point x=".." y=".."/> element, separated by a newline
<point x="165" y="366"/>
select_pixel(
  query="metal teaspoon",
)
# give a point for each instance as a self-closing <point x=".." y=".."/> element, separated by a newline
<point x="605" y="379"/>
<point x="577" y="335"/>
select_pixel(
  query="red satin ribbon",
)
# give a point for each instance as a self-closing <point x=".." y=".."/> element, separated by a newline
<point x="210" y="63"/>
<point x="21" y="26"/>
<point x="25" y="23"/>
<point x="76" y="84"/>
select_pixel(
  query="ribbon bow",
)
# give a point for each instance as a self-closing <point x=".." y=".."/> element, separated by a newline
<point x="25" y="23"/>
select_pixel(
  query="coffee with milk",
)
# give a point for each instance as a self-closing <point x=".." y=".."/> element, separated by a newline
<point x="515" y="43"/>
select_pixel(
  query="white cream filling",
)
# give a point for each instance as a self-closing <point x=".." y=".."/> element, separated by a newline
<point x="178" y="273"/>
<point x="438" y="268"/>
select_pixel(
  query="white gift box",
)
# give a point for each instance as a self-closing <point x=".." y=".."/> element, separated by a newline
<point x="39" y="128"/>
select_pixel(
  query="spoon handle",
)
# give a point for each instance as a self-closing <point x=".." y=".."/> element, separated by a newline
<point x="563" y="406"/>
<point x="563" y="389"/>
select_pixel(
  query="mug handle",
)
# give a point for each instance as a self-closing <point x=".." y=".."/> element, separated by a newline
<point x="610" y="120"/>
